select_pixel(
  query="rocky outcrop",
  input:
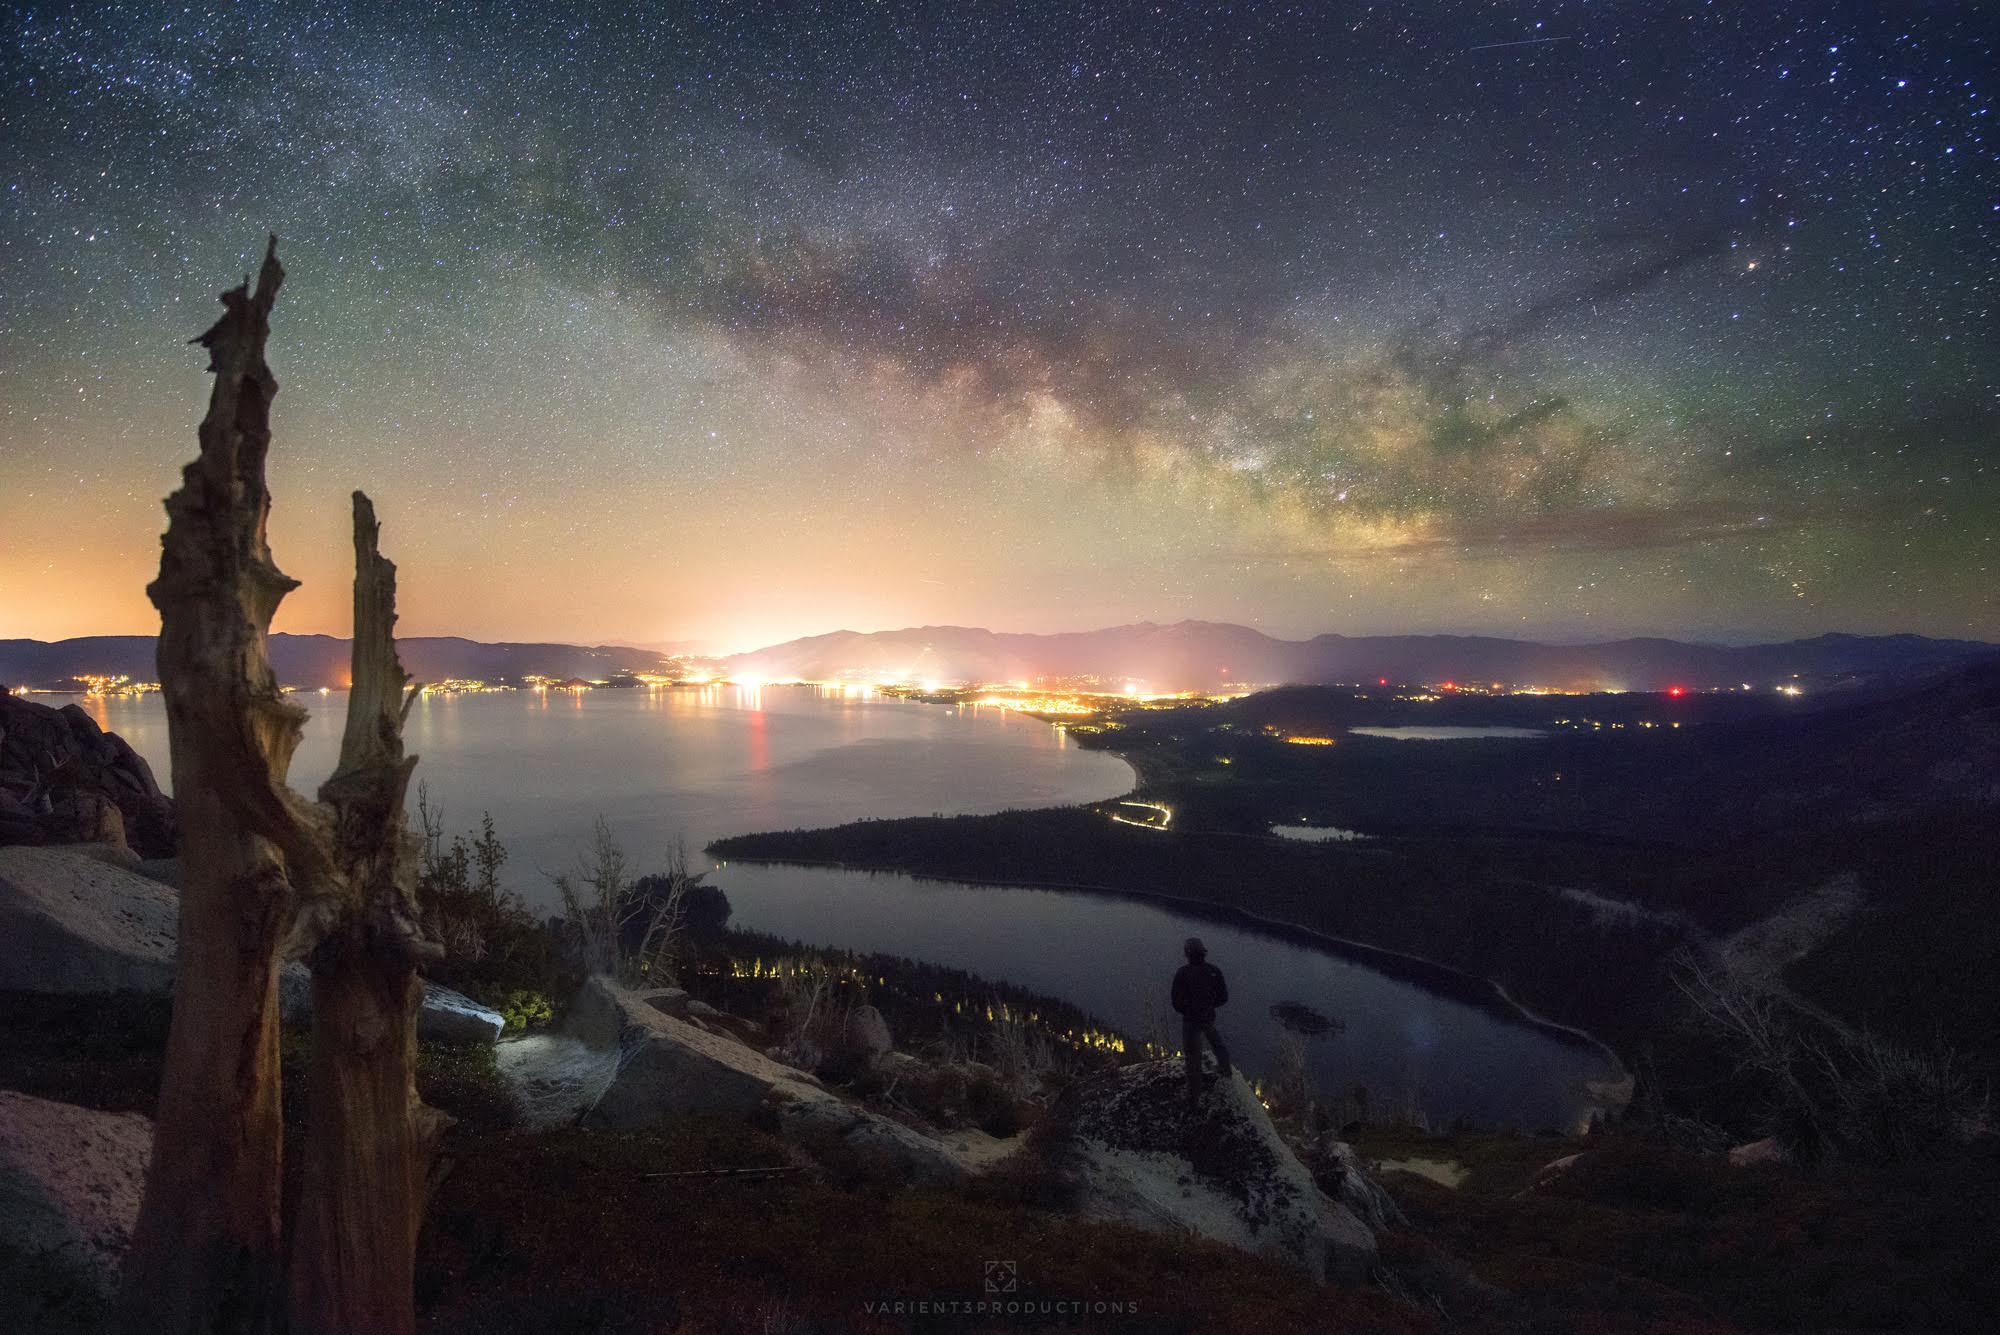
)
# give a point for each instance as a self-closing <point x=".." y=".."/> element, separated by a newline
<point x="676" y="1002"/>
<point x="555" y="1078"/>
<point x="865" y="1038"/>
<point x="744" y="1030"/>
<point x="75" y="922"/>
<point x="668" y="1066"/>
<point x="75" y="919"/>
<point x="70" y="1182"/>
<point x="445" y="1016"/>
<point x="1342" y="1175"/>
<point x="908" y="1153"/>
<point x="64" y="780"/>
<point x="1136" y="1153"/>
<point x="672" y="1001"/>
<point x="1769" y="1150"/>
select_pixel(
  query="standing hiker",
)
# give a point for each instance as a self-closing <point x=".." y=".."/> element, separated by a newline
<point x="1198" y="990"/>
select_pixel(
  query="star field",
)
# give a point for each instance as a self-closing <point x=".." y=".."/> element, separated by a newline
<point x="735" y="323"/>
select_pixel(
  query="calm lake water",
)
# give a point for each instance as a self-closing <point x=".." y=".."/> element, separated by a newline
<point x="700" y="764"/>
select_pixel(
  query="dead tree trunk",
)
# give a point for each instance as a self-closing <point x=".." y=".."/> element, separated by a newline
<point x="267" y="875"/>
<point x="206" y="1252"/>
<point x="368" y="1136"/>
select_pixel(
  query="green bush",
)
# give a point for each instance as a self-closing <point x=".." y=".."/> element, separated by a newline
<point x="527" y="1010"/>
<point x="494" y="949"/>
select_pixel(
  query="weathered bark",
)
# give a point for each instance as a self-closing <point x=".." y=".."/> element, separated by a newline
<point x="267" y="875"/>
<point x="368" y="1150"/>
<point x="206" y="1250"/>
<point x="368" y="1138"/>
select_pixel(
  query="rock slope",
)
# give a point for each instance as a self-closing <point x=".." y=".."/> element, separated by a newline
<point x="70" y="1182"/>
<point x="666" y="1065"/>
<point x="1136" y="1153"/>
<point x="74" y="920"/>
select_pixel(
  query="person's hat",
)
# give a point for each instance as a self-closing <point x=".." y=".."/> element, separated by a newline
<point x="1193" y="948"/>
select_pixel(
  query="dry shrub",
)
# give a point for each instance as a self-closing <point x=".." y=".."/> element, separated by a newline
<point x="1836" y="1094"/>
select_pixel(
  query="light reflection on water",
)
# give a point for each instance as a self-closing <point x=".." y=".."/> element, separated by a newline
<point x="695" y="764"/>
<point x="718" y="760"/>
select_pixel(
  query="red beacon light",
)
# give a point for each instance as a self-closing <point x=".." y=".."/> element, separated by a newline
<point x="1677" y="691"/>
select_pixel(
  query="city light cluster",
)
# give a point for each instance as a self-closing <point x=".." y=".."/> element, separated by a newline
<point x="462" y="686"/>
<point x="1041" y="704"/>
<point x="113" y="684"/>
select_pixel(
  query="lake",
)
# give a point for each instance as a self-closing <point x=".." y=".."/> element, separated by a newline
<point x="698" y="764"/>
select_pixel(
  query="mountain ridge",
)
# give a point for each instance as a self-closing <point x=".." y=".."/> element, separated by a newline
<point x="1205" y="655"/>
<point x="1182" y="655"/>
<point x="311" y="661"/>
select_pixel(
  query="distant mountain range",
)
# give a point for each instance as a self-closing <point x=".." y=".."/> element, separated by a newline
<point x="1189" y="655"/>
<point x="1205" y="655"/>
<point x="322" y="660"/>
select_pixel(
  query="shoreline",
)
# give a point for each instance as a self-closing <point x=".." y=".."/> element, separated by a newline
<point x="1454" y="982"/>
<point x="1442" y="979"/>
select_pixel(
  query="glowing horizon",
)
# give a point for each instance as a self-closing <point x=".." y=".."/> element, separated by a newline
<point x="1273" y="318"/>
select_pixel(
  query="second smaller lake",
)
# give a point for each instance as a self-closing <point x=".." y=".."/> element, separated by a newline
<point x="1409" y="1044"/>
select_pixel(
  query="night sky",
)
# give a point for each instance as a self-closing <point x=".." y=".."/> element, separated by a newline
<point x="729" y="324"/>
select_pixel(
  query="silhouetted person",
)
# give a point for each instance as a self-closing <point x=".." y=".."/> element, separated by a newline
<point x="1198" y="990"/>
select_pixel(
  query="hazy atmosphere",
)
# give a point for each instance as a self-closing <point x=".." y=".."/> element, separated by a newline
<point x="1555" y="320"/>
<point x="853" y="668"/>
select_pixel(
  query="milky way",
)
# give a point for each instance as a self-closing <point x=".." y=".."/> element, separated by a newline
<point x="732" y="324"/>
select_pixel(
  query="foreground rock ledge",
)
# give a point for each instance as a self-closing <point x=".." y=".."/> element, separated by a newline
<point x="1137" y="1155"/>
<point x="70" y="1181"/>
<point x="74" y="920"/>
<point x="668" y="1066"/>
